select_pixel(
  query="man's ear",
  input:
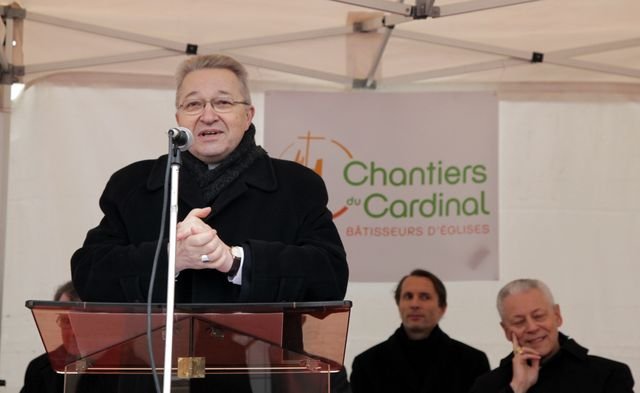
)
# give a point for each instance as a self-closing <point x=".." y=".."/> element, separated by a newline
<point x="557" y="314"/>
<point x="507" y="333"/>
<point x="251" y="111"/>
<point x="444" y="310"/>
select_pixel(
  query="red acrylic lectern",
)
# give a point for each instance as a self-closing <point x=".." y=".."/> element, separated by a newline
<point x="261" y="347"/>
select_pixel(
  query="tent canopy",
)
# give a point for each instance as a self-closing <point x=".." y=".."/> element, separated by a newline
<point x="361" y="43"/>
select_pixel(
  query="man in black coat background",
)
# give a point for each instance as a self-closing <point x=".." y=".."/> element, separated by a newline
<point x="40" y="377"/>
<point x="419" y="357"/>
<point x="543" y="359"/>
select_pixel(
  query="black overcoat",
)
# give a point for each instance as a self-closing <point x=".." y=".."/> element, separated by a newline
<point x="277" y="210"/>
<point x="438" y="364"/>
<point x="571" y="370"/>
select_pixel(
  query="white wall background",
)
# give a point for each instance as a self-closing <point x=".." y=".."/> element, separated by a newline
<point x="569" y="213"/>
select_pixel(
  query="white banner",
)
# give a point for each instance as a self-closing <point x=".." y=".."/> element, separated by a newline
<point x="412" y="177"/>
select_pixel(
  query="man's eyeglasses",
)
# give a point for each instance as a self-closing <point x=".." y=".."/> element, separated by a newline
<point x="220" y="105"/>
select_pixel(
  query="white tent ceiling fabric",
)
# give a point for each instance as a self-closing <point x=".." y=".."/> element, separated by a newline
<point x="310" y="42"/>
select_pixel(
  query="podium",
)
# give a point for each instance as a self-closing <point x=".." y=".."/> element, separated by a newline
<point x="257" y="347"/>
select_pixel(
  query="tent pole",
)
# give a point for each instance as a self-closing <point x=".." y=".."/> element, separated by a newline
<point x="12" y="16"/>
<point x="5" y="122"/>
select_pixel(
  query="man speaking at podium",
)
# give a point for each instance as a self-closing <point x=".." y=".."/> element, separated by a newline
<point x="251" y="228"/>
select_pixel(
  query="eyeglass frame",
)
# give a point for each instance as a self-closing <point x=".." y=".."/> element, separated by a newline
<point x="213" y="105"/>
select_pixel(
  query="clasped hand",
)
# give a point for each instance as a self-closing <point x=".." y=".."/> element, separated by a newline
<point x="195" y="240"/>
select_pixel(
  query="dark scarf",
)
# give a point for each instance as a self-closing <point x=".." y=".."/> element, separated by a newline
<point x="213" y="181"/>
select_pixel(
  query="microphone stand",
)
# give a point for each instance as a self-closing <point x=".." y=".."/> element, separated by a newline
<point x="176" y="162"/>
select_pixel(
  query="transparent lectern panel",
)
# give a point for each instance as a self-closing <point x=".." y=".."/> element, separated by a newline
<point x="247" y="347"/>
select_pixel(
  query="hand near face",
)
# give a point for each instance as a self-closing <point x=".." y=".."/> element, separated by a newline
<point x="526" y="366"/>
<point x="195" y="240"/>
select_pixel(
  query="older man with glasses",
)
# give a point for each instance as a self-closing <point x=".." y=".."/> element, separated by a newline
<point x="252" y="228"/>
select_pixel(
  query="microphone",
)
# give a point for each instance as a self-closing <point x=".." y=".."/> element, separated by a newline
<point x="181" y="137"/>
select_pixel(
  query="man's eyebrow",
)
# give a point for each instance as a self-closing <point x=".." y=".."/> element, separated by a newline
<point x="219" y="92"/>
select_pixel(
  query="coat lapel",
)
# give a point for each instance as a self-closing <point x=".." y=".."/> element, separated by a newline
<point x="260" y="175"/>
<point x="188" y="190"/>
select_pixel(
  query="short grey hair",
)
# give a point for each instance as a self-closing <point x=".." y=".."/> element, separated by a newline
<point x="519" y="286"/>
<point x="215" y="61"/>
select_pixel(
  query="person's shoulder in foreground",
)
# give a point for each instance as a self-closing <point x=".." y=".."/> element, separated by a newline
<point x="40" y="377"/>
<point x="543" y="359"/>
